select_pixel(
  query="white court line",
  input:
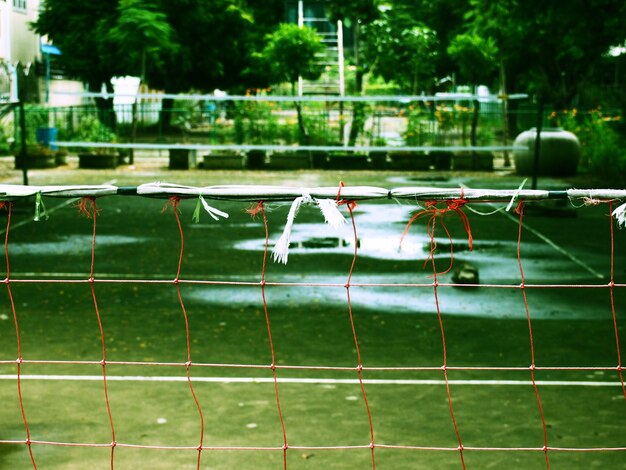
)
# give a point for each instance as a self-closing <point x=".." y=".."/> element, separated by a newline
<point x="320" y="381"/>
<point x="549" y="242"/>
<point x="552" y="244"/>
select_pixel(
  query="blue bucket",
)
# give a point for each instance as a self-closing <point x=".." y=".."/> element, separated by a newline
<point x="45" y="135"/>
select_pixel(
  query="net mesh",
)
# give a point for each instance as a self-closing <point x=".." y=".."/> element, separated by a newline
<point x="381" y="344"/>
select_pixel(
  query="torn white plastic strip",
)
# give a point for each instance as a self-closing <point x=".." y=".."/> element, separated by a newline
<point x="280" y="253"/>
<point x="212" y="211"/>
<point x="332" y="215"/>
<point x="515" y="195"/>
<point x="620" y="215"/>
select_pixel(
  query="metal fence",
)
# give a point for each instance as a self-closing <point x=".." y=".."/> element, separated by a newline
<point x="382" y="123"/>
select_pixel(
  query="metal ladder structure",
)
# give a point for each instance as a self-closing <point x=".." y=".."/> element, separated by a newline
<point x="332" y="81"/>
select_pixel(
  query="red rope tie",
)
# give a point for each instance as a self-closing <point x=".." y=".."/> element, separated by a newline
<point x="452" y="205"/>
<point x="341" y="185"/>
<point x="253" y="211"/>
<point x="172" y="202"/>
<point x="349" y="203"/>
<point x="87" y="207"/>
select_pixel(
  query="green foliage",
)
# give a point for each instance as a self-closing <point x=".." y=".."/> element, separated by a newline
<point x="550" y="48"/>
<point x="78" y="29"/>
<point x="259" y="123"/>
<point x="180" y="40"/>
<point x="444" y="125"/>
<point x="476" y="56"/>
<point x="602" y="147"/>
<point x="290" y="51"/>
<point x="364" y="11"/>
<point x="144" y="34"/>
<point x="399" y="49"/>
<point x="216" y="40"/>
<point x="91" y="129"/>
<point x="34" y="118"/>
<point x="5" y="146"/>
<point x="254" y="123"/>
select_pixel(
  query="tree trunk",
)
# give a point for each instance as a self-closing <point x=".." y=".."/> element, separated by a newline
<point x="473" y="132"/>
<point x="165" y="115"/>
<point x="505" y="113"/>
<point x="358" y="111"/>
<point x="358" y="108"/>
<point x="304" y="133"/>
<point x="540" y="106"/>
<point x="106" y="112"/>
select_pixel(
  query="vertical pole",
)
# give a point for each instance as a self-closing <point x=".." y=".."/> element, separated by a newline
<point x="342" y="78"/>
<point x="23" y="154"/>
<point x="538" y="142"/>
<point x="47" y="78"/>
<point x="505" y="113"/>
<point x="300" y="24"/>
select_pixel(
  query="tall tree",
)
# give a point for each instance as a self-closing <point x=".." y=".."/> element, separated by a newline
<point x="214" y="41"/>
<point x="356" y="13"/>
<point x="445" y="17"/>
<point x="290" y="52"/>
<point x="400" y="49"/>
<point x="147" y="37"/>
<point x="477" y="60"/>
<point x="80" y="29"/>
<point x="550" y="48"/>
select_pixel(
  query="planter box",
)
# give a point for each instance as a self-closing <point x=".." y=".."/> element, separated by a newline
<point x="469" y="162"/>
<point x="441" y="159"/>
<point x="289" y="161"/>
<point x="256" y="159"/>
<point x="60" y="157"/>
<point x="98" y="160"/>
<point x="225" y="161"/>
<point x="347" y="162"/>
<point x="319" y="160"/>
<point x="378" y="160"/>
<point x="409" y="161"/>
<point x="182" y="159"/>
<point x="37" y="161"/>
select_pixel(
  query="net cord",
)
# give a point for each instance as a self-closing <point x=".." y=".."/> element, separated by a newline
<point x="255" y="193"/>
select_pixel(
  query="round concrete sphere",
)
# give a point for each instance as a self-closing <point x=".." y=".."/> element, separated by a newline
<point x="558" y="156"/>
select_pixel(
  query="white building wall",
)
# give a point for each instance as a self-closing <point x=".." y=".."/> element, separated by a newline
<point x="24" y="43"/>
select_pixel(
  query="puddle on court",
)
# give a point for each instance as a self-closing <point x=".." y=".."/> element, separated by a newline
<point x="379" y="233"/>
<point x="479" y="303"/>
<point x="71" y="244"/>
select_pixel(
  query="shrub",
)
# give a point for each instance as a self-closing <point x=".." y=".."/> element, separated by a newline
<point x="602" y="149"/>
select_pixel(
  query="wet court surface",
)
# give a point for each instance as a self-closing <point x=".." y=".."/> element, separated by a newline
<point x="565" y="255"/>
